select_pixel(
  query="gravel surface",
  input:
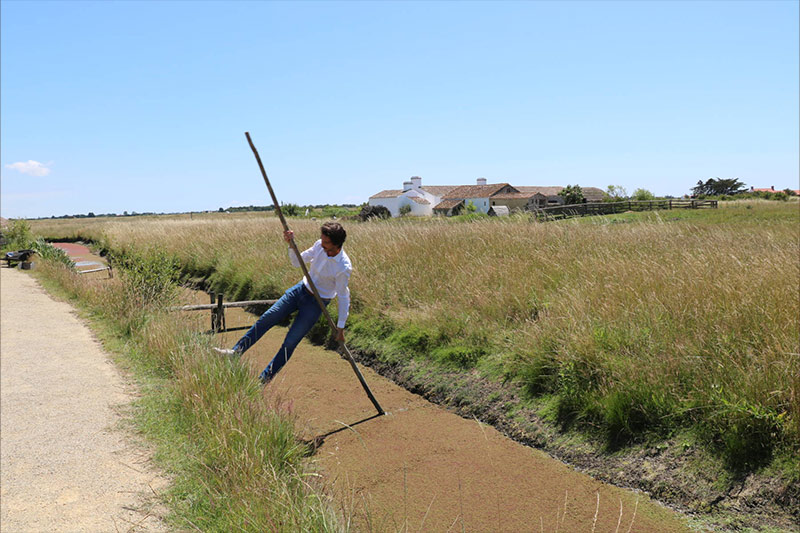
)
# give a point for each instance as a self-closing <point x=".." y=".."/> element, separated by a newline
<point x="64" y="463"/>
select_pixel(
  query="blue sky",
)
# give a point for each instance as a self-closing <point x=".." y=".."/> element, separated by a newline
<point x="142" y="106"/>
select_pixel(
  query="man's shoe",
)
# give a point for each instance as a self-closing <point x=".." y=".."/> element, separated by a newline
<point x="225" y="351"/>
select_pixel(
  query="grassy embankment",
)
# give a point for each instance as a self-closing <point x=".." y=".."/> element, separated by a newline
<point x="632" y="327"/>
<point x="234" y="460"/>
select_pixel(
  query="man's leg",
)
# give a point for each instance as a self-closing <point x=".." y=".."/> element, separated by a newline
<point x="276" y="313"/>
<point x="308" y="313"/>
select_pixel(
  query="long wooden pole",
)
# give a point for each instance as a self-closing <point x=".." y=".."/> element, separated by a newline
<point x="310" y="281"/>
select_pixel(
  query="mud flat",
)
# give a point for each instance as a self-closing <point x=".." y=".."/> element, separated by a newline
<point x="424" y="468"/>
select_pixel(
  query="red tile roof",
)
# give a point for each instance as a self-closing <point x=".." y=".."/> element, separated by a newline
<point x="438" y="190"/>
<point x="449" y="203"/>
<point x="796" y="191"/>
<point x="547" y="191"/>
<point x="420" y="200"/>
<point x="389" y="193"/>
<point x="475" y="191"/>
<point x="512" y="196"/>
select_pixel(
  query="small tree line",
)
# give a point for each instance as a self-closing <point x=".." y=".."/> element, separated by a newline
<point x="573" y="194"/>
<point x="719" y="188"/>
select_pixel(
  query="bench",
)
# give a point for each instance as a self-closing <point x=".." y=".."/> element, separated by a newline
<point x="20" y="256"/>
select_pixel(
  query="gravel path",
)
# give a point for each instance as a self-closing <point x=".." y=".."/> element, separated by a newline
<point x="64" y="463"/>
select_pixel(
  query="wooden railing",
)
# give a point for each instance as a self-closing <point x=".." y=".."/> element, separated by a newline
<point x="218" y="307"/>
<point x="608" y="208"/>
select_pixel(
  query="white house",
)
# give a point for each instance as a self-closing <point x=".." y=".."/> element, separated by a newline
<point x="420" y="199"/>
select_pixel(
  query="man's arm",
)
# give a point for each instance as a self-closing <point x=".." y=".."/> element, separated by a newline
<point x="288" y="235"/>
<point x="343" y="298"/>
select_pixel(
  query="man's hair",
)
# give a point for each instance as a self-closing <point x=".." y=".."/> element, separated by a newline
<point x="335" y="232"/>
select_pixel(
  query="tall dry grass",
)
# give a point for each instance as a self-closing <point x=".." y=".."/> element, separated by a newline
<point x="637" y="324"/>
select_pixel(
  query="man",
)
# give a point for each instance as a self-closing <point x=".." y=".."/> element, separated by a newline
<point x="330" y="269"/>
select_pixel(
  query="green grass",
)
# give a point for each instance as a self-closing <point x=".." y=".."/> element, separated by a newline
<point x="633" y="326"/>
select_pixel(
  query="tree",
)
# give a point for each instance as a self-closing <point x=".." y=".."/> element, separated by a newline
<point x="642" y="195"/>
<point x="290" y="210"/>
<point x="404" y="210"/>
<point x="616" y="193"/>
<point x="718" y="187"/>
<point x="471" y="207"/>
<point x="374" y="211"/>
<point x="90" y="215"/>
<point x="572" y="194"/>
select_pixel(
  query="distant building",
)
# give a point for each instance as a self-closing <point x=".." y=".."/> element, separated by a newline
<point x="772" y="189"/>
<point x="480" y="195"/>
<point x="421" y="199"/>
<point x="449" y="200"/>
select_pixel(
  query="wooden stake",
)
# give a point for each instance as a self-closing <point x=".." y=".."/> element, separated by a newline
<point x="293" y="246"/>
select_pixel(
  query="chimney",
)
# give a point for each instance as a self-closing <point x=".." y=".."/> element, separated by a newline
<point x="481" y="181"/>
<point x="406" y="185"/>
<point x="416" y="182"/>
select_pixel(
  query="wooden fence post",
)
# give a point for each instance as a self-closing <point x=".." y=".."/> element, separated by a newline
<point x="220" y="313"/>
<point x="213" y="297"/>
<point x="217" y="314"/>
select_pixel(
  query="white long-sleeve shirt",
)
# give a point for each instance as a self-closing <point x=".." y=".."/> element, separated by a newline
<point x="330" y="274"/>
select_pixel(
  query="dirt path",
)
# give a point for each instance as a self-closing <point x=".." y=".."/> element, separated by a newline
<point x="422" y="468"/>
<point x="63" y="465"/>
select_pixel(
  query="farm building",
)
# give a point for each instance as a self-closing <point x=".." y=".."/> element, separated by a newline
<point x="479" y="195"/>
<point x="453" y="199"/>
<point x="772" y="189"/>
<point x="421" y="199"/>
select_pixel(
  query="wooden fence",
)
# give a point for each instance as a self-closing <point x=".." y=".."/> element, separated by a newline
<point x="217" y="308"/>
<point x="609" y="208"/>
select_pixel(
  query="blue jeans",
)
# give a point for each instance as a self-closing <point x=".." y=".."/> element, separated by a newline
<point x="296" y="298"/>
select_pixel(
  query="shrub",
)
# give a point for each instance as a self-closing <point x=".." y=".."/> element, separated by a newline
<point x="746" y="434"/>
<point x="374" y="211"/>
<point x="48" y="252"/>
<point x="290" y="210"/>
<point x="572" y="194"/>
<point x="149" y="277"/>
<point x="615" y="193"/>
<point x="642" y="195"/>
<point x="19" y="234"/>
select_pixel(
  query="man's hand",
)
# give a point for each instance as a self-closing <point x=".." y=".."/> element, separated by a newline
<point x="340" y="335"/>
<point x="288" y="235"/>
